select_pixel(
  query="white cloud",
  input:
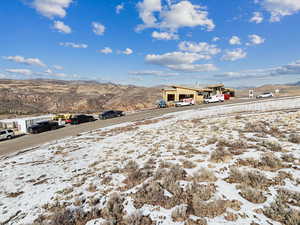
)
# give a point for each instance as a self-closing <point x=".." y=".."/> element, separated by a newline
<point x="61" y="27"/>
<point x="194" y="67"/>
<point x="185" y="14"/>
<point x="235" y="40"/>
<point x="289" y="69"/>
<point x="146" y="12"/>
<point x="20" y="71"/>
<point x="280" y="8"/>
<point x="127" y="51"/>
<point x="2" y="76"/>
<point x="255" y="40"/>
<point x="119" y="8"/>
<point x="51" y="8"/>
<point x="256" y="18"/>
<point x="173" y="58"/>
<point x="106" y="50"/>
<point x="173" y="16"/>
<point x="73" y="45"/>
<point x="98" y="28"/>
<point x="215" y="39"/>
<point x="27" y="61"/>
<point x="58" y="67"/>
<point x="202" y="48"/>
<point x="233" y="55"/>
<point x="180" y="61"/>
<point x="153" y="73"/>
<point x="164" y="35"/>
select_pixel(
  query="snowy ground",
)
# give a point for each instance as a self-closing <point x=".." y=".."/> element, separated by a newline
<point x="223" y="165"/>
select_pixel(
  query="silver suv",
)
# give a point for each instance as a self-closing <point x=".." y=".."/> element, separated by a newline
<point x="6" y="134"/>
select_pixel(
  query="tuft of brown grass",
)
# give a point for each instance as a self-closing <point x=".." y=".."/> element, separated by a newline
<point x="180" y="213"/>
<point x="204" y="175"/>
<point x="280" y="211"/>
<point x="252" y="195"/>
<point x="220" y="155"/>
<point x="294" y="138"/>
<point x="254" y="179"/>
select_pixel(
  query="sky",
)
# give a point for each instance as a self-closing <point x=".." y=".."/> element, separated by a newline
<point x="240" y="43"/>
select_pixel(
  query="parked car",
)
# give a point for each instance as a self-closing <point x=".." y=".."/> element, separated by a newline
<point x="213" y="99"/>
<point x="161" y="104"/>
<point x="181" y="104"/>
<point x="77" y="119"/>
<point x="7" y="134"/>
<point x="265" y="95"/>
<point x="111" y="114"/>
<point x="42" y="127"/>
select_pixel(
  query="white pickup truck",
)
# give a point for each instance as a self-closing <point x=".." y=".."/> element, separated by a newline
<point x="6" y="134"/>
<point x="213" y="99"/>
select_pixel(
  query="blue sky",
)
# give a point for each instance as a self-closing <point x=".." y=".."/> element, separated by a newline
<point x="152" y="42"/>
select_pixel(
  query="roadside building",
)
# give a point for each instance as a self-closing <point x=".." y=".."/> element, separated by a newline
<point x="175" y="93"/>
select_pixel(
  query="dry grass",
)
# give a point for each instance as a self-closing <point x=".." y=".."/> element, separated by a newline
<point x="280" y="211"/>
<point x="267" y="162"/>
<point x="252" y="195"/>
<point x="220" y="155"/>
<point x="188" y="164"/>
<point x="272" y="146"/>
<point x="294" y="138"/>
<point x="204" y="175"/>
<point x="254" y="179"/>
<point x="180" y="213"/>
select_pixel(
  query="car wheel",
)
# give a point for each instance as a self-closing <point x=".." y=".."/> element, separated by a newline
<point x="9" y="137"/>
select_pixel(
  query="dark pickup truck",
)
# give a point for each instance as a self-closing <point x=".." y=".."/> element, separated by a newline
<point x="42" y="127"/>
<point x="81" y="119"/>
<point x="111" y="114"/>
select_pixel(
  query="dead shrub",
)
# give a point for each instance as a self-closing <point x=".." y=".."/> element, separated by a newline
<point x="272" y="145"/>
<point x="220" y="155"/>
<point x="204" y="175"/>
<point x="209" y="209"/>
<point x="114" y="207"/>
<point x="180" y="214"/>
<point x="137" y="218"/>
<point x="282" y="212"/>
<point x="201" y="221"/>
<point x="231" y="217"/>
<point x="136" y="177"/>
<point x="211" y="141"/>
<point x="254" y="179"/>
<point x="131" y="166"/>
<point x="165" y="164"/>
<point x="75" y="216"/>
<point x="252" y="195"/>
<point x="288" y="157"/>
<point x="151" y="193"/>
<point x="188" y="164"/>
<point x="267" y="162"/>
<point x="201" y="192"/>
<point x="294" y="138"/>
<point x="290" y="197"/>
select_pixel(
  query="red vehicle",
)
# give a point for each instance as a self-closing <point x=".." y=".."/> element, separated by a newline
<point x="226" y="96"/>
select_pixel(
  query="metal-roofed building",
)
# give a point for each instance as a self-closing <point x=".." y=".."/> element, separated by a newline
<point x="178" y="93"/>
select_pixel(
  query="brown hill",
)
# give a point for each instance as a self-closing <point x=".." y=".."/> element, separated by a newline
<point x="52" y="96"/>
<point x="284" y="90"/>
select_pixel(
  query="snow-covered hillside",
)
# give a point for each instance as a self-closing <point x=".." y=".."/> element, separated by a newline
<point x="236" y="164"/>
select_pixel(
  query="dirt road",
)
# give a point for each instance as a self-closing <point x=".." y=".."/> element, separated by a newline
<point x="29" y="141"/>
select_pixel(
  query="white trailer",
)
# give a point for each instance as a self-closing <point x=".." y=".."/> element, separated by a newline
<point x="22" y="124"/>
